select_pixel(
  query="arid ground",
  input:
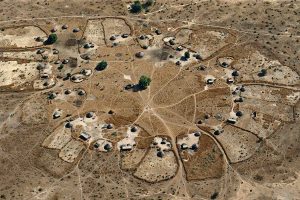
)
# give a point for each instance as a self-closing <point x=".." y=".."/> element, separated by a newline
<point x="218" y="118"/>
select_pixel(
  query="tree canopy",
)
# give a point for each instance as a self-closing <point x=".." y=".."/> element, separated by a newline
<point x="144" y="82"/>
<point x="136" y="7"/>
<point x="101" y="65"/>
<point x="52" y="38"/>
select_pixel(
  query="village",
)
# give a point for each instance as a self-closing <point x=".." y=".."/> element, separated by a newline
<point x="187" y="109"/>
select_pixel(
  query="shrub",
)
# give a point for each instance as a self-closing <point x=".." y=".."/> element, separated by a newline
<point x="187" y="54"/>
<point x="136" y="7"/>
<point x="147" y="4"/>
<point x="144" y="82"/>
<point x="101" y="65"/>
<point x="52" y="38"/>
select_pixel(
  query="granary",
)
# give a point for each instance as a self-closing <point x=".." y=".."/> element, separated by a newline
<point x="109" y="126"/>
<point x="158" y="32"/>
<point x="201" y="67"/>
<point x="68" y="125"/>
<point x="217" y="132"/>
<point x="197" y="56"/>
<point x="142" y="37"/>
<point x="197" y="134"/>
<point x="107" y="147"/>
<point x="140" y="54"/>
<point x="183" y="58"/>
<point x="194" y="147"/>
<point x="209" y="81"/>
<point x="253" y="114"/>
<point x="67" y="92"/>
<point x="84" y="136"/>
<point x="127" y="147"/>
<point x="224" y="64"/>
<point x="96" y="145"/>
<point x="86" y="72"/>
<point x="184" y="146"/>
<point x="56" y="114"/>
<point x="40" y="51"/>
<point x="65" y="61"/>
<point x="112" y="38"/>
<point x="76" y="30"/>
<point x="160" y="154"/>
<point x="52" y="95"/>
<point x="230" y="80"/>
<point x="89" y="114"/>
<point x="81" y="92"/>
<point x="55" y="51"/>
<point x="44" y="75"/>
<point x="235" y="73"/>
<point x="172" y="42"/>
<point x="65" y="26"/>
<point x="239" y="113"/>
<point x="179" y="48"/>
<point x="240" y="99"/>
<point x="53" y="30"/>
<point x="178" y="62"/>
<point x="39" y="39"/>
<point x="125" y="35"/>
<point x="133" y="129"/>
<point x="242" y="89"/>
<point x="231" y="121"/>
<point x="86" y="46"/>
<point x="128" y="86"/>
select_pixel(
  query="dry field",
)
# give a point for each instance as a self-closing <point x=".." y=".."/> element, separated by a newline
<point x="219" y="119"/>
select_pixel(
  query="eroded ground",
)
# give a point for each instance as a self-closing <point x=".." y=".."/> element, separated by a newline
<point x="220" y="119"/>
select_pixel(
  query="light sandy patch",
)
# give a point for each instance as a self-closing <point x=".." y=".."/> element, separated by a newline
<point x="130" y="160"/>
<point x="154" y="168"/>
<point x="94" y="32"/>
<point x="129" y="140"/>
<point x="21" y="37"/>
<point x="71" y="151"/>
<point x="127" y="77"/>
<point x="58" y="139"/>
<point x="161" y="144"/>
<point x="115" y="27"/>
<point x="276" y="72"/>
<point x="189" y="140"/>
<point x="12" y="73"/>
<point x="102" y="143"/>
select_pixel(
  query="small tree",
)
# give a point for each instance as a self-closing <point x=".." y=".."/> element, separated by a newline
<point x="262" y="73"/>
<point x="144" y="82"/>
<point x="136" y="7"/>
<point x="52" y="38"/>
<point x="187" y="54"/>
<point x="147" y="4"/>
<point x="101" y="65"/>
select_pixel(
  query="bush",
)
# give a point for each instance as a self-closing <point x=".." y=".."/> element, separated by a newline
<point x="51" y="39"/>
<point x="144" y="82"/>
<point x="101" y="65"/>
<point x="262" y="73"/>
<point x="147" y="4"/>
<point x="136" y="7"/>
<point x="187" y="54"/>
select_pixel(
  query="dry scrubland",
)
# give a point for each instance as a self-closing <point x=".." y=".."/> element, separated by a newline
<point x="219" y="120"/>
